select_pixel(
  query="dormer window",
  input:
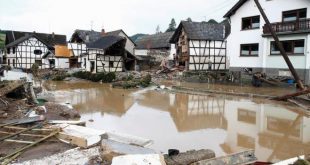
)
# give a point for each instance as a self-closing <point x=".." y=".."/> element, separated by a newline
<point x="294" y="15"/>
<point x="250" y="23"/>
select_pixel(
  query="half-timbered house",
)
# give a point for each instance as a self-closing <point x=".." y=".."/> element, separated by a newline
<point x="201" y="45"/>
<point x="104" y="55"/>
<point x="82" y="38"/>
<point x="23" y="49"/>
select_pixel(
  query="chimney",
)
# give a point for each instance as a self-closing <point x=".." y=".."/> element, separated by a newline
<point x="53" y="35"/>
<point x="87" y="38"/>
<point x="103" y="32"/>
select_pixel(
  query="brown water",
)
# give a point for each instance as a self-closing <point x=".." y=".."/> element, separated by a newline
<point x="222" y="124"/>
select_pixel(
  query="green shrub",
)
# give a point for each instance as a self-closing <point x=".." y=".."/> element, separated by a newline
<point x="35" y="69"/>
<point x="60" y="77"/>
<point x="146" y="81"/>
<point x="104" y="77"/>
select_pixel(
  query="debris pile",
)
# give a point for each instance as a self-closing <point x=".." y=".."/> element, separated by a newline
<point x="131" y="82"/>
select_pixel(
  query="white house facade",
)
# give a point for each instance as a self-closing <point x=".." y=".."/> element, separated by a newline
<point x="251" y="47"/>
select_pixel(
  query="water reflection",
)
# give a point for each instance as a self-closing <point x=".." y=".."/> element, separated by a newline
<point x="183" y="121"/>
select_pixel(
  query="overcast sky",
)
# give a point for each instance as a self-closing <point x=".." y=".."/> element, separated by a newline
<point x="133" y="16"/>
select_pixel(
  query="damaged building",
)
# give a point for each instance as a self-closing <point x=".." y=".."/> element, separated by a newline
<point x="153" y="49"/>
<point x="102" y="51"/>
<point x="201" y="45"/>
<point x="23" y="49"/>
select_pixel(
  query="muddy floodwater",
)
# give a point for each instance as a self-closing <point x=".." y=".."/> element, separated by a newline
<point x="222" y="124"/>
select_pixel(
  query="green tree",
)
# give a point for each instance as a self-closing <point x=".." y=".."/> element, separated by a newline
<point x="172" y="26"/>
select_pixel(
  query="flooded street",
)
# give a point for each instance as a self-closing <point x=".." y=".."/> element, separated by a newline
<point x="182" y="121"/>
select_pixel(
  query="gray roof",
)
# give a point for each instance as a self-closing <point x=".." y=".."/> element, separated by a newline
<point x="94" y="35"/>
<point x="105" y="42"/>
<point x="154" y="41"/>
<point x="15" y="37"/>
<point x="27" y="36"/>
<point x="82" y="34"/>
<point x="234" y="8"/>
<point x="200" y="31"/>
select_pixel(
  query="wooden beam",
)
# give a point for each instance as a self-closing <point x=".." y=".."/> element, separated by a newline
<point x="280" y="46"/>
<point x="29" y="135"/>
<point x="21" y="150"/>
<point x="17" y="133"/>
<point x="285" y="97"/>
<point x="18" y="141"/>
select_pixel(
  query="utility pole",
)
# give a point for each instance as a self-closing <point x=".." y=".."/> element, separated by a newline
<point x="280" y="46"/>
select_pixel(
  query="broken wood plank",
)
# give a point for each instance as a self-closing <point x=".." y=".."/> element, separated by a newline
<point x="244" y="157"/>
<point x="17" y="133"/>
<point x="81" y="136"/>
<point x="80" y="123"/>
<point x="285" y="97"/>
<point x="41" y="130"/>
<point x="189" y="157"/>
<point x="3" y="125"/>
<point x="18" y="141"/>
<point x="129" y="139"/>
<point x="7" y="161"/>
<point x="28" y="146"/>
<point x="26" y="120"/>
<point x="29" y="135"/>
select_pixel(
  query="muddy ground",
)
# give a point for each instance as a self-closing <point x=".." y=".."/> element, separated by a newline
<point x="17" y="108"/>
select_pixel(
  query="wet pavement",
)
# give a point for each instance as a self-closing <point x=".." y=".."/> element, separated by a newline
<point x="224" y="124"/>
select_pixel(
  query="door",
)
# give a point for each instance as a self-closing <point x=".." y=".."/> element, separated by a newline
<point x="92" y="66"/>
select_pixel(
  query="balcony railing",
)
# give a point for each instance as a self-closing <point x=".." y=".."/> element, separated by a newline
<point x="292" y="26"/>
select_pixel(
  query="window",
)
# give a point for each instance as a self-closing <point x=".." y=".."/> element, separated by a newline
<point x="294" y="15"/>
<point x="8" y="50"/>
<point x="249" y="50"/>
<point x="13" y="62"/>
<point x="37" y="52"/>
<point x="250" y="23"/>
<point x="14" y="49"/>
<point x="39" y="62"/>
<point x="290" y="47"/>
<point x="111" y="64"/>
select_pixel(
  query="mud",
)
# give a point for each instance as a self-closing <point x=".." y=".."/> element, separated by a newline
<point x="224" y="124"/>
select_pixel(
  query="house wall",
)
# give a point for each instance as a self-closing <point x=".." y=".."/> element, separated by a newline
<point x="265" y="62"/>
<point x="77" y="49"/>
<point x="129" y="44"/>
<point x="202" y="52"/>
<point x="101" y="62"/>
<point x="24" y="56"/>
<point x="62" y="63"/>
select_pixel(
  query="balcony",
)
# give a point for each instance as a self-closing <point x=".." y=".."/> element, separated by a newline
<point x="289" y="27"/>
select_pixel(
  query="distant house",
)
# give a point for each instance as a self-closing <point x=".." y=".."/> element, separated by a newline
<point x="201" y="45"/>
<point x="59" y="57"/>
<point x="23" y="49"/>
<point x="102" y="51"/>
<point x="251" y="47"/>
<point x="154" y="48"/>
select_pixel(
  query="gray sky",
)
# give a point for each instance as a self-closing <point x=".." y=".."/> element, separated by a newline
<point x="133" y="16"/>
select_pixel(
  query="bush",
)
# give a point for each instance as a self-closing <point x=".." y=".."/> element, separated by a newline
<point x="35" y="69"/>
<point x="146" y="81"/>
<point x="60" y="77"/>
<point x="104" y="77"/>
